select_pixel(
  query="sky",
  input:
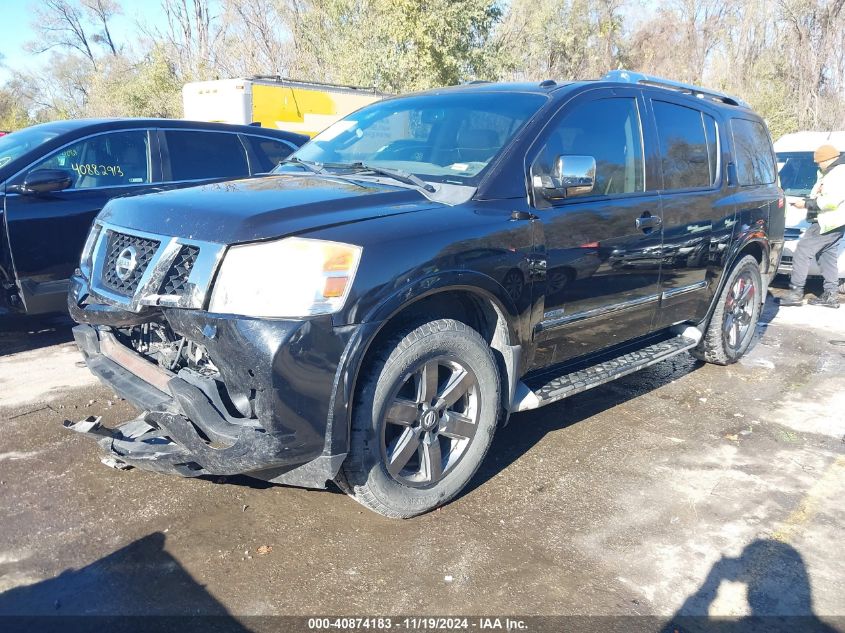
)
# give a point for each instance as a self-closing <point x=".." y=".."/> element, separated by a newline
<point x="16" y="30"/>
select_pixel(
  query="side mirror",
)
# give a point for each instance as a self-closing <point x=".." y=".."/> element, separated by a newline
<point x="46" y="181"/>
<point x="572" y="176"/>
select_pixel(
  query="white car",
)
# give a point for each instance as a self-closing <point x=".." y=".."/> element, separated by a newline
<point x="798" y="174"/>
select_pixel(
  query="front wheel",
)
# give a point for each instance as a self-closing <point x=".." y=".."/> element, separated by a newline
<point x="423" y="419"/>
<point x="734" y="321"/>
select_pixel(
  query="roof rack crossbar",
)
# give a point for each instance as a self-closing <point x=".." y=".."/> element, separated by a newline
<point x="627" y="76"/>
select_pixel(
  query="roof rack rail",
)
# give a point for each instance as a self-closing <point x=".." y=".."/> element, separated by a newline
<point x="627" y="76"/>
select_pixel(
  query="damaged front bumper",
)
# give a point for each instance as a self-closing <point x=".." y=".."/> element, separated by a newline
<point x="276" y="410"/>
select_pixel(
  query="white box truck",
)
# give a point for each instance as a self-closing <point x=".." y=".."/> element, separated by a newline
<point x="274" y="102"/>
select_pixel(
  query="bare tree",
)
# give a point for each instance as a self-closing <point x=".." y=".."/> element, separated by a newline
<point x="815" y="38"/>
<point x="60" y="24"/>
<point x="257" y="39"/>
<point x="192" y="35"/>
<point x="101" y="12"/>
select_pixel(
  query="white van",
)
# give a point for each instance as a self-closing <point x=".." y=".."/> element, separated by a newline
<point x="798" y="174"/>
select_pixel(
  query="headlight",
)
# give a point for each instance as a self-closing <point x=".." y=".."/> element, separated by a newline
<point x="293" y="277"/>
<point x="86" y="259"/>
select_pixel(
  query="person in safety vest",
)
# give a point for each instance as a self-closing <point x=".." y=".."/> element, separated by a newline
<point x="826" y="213"/>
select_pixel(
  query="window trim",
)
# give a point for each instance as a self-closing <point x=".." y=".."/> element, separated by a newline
<point x="717" y="185"/>
<point x="11" y="180"/>
<point x="539" y="142"/>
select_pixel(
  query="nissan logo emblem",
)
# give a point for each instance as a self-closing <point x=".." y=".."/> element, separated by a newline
<point x="126" y="263"/>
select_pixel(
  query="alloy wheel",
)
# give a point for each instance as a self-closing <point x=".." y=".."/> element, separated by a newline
<point x="739" y="311"/>
<point x="431" y="420"/>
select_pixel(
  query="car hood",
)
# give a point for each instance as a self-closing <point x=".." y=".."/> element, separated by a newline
<point x="260" y="208"/>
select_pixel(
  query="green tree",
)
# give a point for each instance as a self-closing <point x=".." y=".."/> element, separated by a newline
<point x="13" y="112"/>
<point x="394" y="45"/>
<point x="147" y="88"/>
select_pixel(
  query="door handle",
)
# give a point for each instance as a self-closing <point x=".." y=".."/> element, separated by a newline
<point x="648" y="222"/>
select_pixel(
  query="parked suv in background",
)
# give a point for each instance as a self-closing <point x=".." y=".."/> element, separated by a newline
<point x="55" y="178"/>
<point x="422" y="269"/>
<point x="798" y="173"/>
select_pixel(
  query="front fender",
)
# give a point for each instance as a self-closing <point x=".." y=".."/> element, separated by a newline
<point x="471" y="282"/>
<point x="375" y="319"/>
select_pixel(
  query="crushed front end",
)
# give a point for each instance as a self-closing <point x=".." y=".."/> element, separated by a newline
<point x="221" y="394"/>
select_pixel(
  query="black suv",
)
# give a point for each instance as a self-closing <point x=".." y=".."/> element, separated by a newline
<point x="422" y="269"/>
<point x="56" y="177"/>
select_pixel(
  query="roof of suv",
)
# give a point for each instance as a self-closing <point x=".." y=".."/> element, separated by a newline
<point x="614" y="78"/>
<point x="535" y="87"/>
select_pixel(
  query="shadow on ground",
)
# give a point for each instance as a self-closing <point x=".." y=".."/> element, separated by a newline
<point x="778" y="596"/>
<point x="112" y="594"/>
<point x="22" y="334"/>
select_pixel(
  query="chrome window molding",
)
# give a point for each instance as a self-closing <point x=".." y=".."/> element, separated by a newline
<point x="147" y="293"/>
<point x="146" y="185"/>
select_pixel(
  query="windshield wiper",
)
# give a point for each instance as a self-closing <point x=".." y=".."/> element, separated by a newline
<point x="313" y="167"/>
<point x="396" y="174"/>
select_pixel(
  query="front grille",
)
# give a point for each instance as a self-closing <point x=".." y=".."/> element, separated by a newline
<point x="791" y="234"/>
<point x="176" y="279"/>
<point x="786" y="259"/>
<point x="118" y="243"/>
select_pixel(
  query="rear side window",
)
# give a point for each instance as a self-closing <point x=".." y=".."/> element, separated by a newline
<point x="755" y="163"/>
<point x="609" y="131"/>
<point x="687" y="146"/>
<point x="268" y="152"/>
<point x="198" y="155"/>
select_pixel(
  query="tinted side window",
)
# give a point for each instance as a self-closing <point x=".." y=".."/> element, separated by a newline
<point x="755" y="164"/>
<point x="683" y="146"/>
<point x="268" y="152"/>
<point x="609" y="131"/>
<point x="105" y="160"/>
<point x="197" y="155"/>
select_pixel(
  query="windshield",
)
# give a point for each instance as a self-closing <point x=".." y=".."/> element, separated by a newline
<point x="16" y="144"/>
<point x="797" y="172"/>
<point x="442" y="138"/>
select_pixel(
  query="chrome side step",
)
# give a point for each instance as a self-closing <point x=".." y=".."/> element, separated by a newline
<point x="574" y="382"/>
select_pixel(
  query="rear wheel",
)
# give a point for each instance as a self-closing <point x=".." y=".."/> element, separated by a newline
<point x="423" y="419"/>
<point x="734" y="321"/>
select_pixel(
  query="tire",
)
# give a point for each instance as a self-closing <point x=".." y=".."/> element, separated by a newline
<point x="842" y="286"/>
<point x="734" y="322"/>
<point x="423" y="419"/>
